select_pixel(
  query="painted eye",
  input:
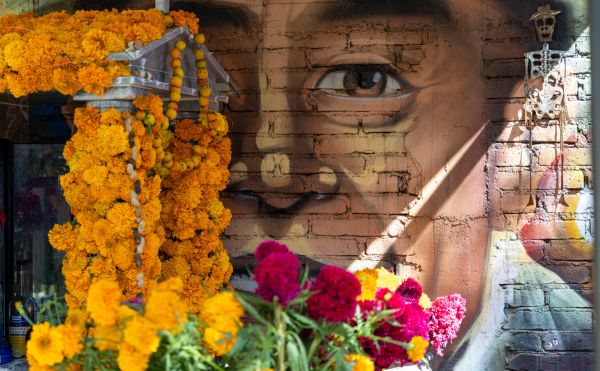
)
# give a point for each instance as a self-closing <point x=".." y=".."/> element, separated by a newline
<point x="363" y="81"/>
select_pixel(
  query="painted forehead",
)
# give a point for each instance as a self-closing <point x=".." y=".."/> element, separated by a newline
<point x="243" y="13"/>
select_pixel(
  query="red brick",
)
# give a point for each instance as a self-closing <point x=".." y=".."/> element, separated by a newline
<point x="268" y="227"/>
<point x="381" y="204"/>
<point x="516" y="202"/>
<point x="352" y="226"/>
<point x="373" y="143"/>
<point x="570" y="250"/>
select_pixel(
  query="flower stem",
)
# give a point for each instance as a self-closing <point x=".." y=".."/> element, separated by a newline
<point x="280" y="324"/>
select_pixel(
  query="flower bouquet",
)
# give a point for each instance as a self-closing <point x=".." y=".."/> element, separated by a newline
<point x="370" y="320"/>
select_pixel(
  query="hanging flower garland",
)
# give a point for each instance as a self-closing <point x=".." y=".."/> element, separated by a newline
<point x="115" y="234"/>
<point x="135" y="186"/>
<point x="193" y="215"/>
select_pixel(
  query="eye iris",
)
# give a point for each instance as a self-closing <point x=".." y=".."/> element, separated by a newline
<point x="364" y="82"/>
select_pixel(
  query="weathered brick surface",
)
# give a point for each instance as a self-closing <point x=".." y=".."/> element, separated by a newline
<point x="418" y="192"/>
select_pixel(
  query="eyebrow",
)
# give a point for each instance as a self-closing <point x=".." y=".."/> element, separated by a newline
<point x="348" y="9"/>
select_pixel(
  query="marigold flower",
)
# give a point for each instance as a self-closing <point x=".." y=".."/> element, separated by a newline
<point x="72" y="336"/>
<point x="46" y="345"/>
<point x="131" y="359"/>
<point x="142" y="335"/>
<point x="62" y="236"/>
<point x="94" y="79"/>
<point x="417" y="351"/>
<point x="360" y="362"/>
<point x="103" y="302"/>
<point x="368" y="283"/>
<point x="166" y="310"/>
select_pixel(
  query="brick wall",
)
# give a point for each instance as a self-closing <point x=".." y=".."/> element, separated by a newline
<point x="436" y="188"/>
<point x="427" y="175"/>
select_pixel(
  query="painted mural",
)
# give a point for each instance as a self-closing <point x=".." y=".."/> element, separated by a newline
<point x="392" y="133"/>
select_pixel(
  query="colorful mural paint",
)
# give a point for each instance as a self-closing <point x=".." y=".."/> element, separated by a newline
<point x="391" y="133"/>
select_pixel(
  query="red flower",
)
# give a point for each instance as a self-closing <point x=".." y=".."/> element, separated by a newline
<point x="268" y="247"/>
<point x="410" y="290"/>
<point x="408" y="320"/>
<point x="277" y="276"/>
<point x="335" y="297"/>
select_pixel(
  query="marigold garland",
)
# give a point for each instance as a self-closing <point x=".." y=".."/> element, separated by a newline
<point x="142" y="186"/>
<point x="68" y="52"/>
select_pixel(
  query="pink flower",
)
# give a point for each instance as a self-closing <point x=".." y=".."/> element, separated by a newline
<point x="268" y="247"/>
<point x="445" y="316"/>
<point x="335" y="297"/>
<point x="277" y="276"/>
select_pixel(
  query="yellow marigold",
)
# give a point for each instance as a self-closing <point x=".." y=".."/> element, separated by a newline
<point x="87" y="118"/>
<point x="368" y="283"/>
<point x="387" y="280"/>
<point x="111" y="117"/>
<point x="102" y="233"/>
<point x="131" y="359"/>
<point x="417" y="350"/>
<point x="360" y="362"/>
<point x="72" y="339"/>
<point x="110" y="141"/>
<point x="122" y="219"/>
<point x="95" y="175"/>
<point x="215" y="208"/>
<point x="46" y="345"/>
<point x="106" y="337"/>
<point x="94" y="79"/>
<point x="103" y="302"/>
<point x="62" y="236"/>
<point x="97" y="44"/>
<point x="182" y="18"/>
<point x="122" y="252"/>
<point x="76" y="317"/>
<point x="177" y="266"/>
<point x="222" y="337"/>
<point x="424" y="301"/>
<point x="141" y="334"/>
<point x="103" y="268"/>
<point x="220" y="306"/>
<point x="65" y="81"/>
<point x="15" y="54"/>
<point x="166" y="310"/>
<point x="35" y="366"/>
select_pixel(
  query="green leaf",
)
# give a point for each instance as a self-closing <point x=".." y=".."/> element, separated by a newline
<point x="253" y="312"/>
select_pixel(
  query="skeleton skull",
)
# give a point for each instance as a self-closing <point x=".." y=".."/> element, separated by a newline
<point x="544" y="19"/>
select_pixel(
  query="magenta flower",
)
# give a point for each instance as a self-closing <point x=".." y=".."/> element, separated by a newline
<point x="409" y="320"/>
<point x="335" y="297"/>
<point x="269" y="247"/>
<point x="445" y="316"/>
<point x="277" y="276"/>
<point x="410" y="290"/>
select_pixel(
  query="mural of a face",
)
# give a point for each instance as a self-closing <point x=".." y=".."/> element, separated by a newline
<point x="359" y="134"/>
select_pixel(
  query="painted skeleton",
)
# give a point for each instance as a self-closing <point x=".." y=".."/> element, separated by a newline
<point x="545" y="104"/>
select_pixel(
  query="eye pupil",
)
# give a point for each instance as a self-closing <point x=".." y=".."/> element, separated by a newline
<point x="363" y="82"/>
<point x="368" y="79"/>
